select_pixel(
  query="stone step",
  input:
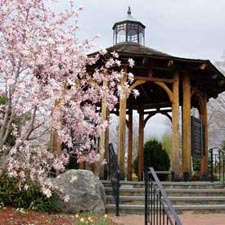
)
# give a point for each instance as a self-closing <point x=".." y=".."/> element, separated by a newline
<point x="170" y="192"/>
<point x="198" y="197"/>
<point x="125" y="190"/>
<point x="139" y="209"/>
<point x="186" y="185"/>
<point x="177" y="200"/>
<point x="195" y="192"/>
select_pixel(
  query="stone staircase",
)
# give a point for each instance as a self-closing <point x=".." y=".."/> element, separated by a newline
<point x="196" y="197"/>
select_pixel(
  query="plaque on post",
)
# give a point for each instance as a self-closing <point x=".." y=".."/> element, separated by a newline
<point x="197" y="137"/>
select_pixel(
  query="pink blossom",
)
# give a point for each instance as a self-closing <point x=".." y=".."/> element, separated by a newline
<point x="131" y="62"/>
<point x="102" y="51"/>
<point x="49" y="89"/>
<point x="135" y="93"/>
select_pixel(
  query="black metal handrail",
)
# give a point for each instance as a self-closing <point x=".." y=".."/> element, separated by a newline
<point x="158" y="208"/>
<point x="114" y="175"/>
<point x="217" y="164"/>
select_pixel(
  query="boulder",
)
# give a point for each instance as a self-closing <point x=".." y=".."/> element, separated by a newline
<point x="82" y="191"/>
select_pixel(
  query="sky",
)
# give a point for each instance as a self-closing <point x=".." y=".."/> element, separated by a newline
<point x="183" y="28"/>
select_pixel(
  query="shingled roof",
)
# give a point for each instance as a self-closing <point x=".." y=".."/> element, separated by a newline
<point x="201" y="71"/>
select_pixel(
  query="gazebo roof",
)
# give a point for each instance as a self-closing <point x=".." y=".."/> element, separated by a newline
<point x="134" y="49"/>
<point x="202" y="72"/>
<point x="204" y="76"/>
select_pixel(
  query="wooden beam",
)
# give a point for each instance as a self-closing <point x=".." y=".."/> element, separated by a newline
<point x="186" y="128"/>
<point x="203" y="66"/>
<point x="166" y="89"/>
<point x="122" y="128"/>
<point x="104" y="114"/>
<point x="154" y="79"/>
<point x="158" y="110"/>
<point x="150" y="72"/>
<point x="204" y="159"/>
<point x="141" y="144"/>
<point x="130" y="146"/>
<point x="55" y="143"/>
<point x="221" y="82"/>
<point x="104" y="139"/>
<point x="214" y="76"/>
<point x="150" y="105"/>
<point x="170" y="63"/>
<point x="136" y="83"/>
<point x="175" y="165"/>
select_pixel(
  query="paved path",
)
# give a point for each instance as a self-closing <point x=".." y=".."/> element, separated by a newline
<point x="186" y="219"/>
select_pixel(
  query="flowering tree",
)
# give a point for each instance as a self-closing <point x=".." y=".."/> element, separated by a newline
<point x="48" y="86"/>
<point x="216" y="113"/>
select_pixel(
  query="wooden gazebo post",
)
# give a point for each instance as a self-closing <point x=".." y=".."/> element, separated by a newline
<point x="55" y="144"/>
<point x="130" y="145"/>
<point x="122" y="127"/>
<point x="175" y="164"/>
<point x="141" y="143"/>
<point x="186" y="126"/>
<point x="104" y="138"/>
<point x="204" y="159"/>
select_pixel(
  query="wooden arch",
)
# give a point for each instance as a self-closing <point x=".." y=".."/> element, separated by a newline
<point x="202" y="101"/>
<point x="173" y="96"/>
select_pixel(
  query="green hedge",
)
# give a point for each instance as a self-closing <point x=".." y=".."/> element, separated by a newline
<point x="154" y="156"/>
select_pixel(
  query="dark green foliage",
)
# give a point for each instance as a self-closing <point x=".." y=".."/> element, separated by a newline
<point x="155" y="156"/>
<point x="196" y="163"/>
<point x="32" y="198"/>
<point x="3" y="100"/>
<point x="72" y="164"/>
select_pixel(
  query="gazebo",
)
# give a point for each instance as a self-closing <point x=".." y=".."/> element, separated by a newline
<point x="169" y="85"/>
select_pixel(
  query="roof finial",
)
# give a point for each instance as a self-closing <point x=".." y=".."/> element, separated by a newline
<point x="129" y="11"/>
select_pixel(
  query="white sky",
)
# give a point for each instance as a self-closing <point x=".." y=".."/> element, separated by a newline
<point x="185" y="28"/>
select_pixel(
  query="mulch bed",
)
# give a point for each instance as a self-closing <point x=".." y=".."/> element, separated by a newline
<point x="11" y="216"/>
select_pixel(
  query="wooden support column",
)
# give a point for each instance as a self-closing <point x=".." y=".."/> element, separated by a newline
<point x="141" y="144"/>
<point x="130" y="146"/>
<point x="175" y="161"/>
<point x="55" y="143"/>
<point x="204" y="159"/>
<point x="186" y="126"/>
<point x="104" y="139"/>
<point x="122" y="128"/>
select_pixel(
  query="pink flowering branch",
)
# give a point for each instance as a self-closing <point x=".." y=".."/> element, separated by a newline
<point x="41" y="63"/>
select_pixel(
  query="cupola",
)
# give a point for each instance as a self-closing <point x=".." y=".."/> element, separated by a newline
<point x="129" y="30"/>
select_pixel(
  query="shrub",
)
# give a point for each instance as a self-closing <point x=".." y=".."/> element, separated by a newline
<point x="154" y="156"/>
<point x="31" y="197"/>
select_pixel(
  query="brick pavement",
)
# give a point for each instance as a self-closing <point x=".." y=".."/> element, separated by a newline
<point x="186" y="219"/>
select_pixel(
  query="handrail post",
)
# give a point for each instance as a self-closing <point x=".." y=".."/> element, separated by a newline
<point x="114" y="175"/>
<point x="217" y="160"/>
<point x="162" y="206"/>
<point x="146" y="176"/>
<point x="211" y="162"/>
<point x="118" y="194"/>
